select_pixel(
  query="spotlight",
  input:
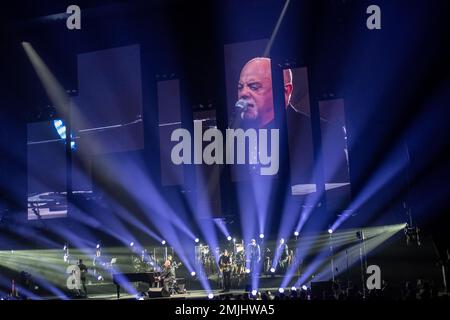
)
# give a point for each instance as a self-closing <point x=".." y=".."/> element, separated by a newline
<point x="193" y="273"/>
<point x="281" y="290"/>
<point x="210" y="296"/>
<point x="247" y="270"/>
<point x="296" y="233"/>
<point x="272" y="269"/>
<point x="99" y="278"/>
<point x="131" y="243"/>
<point x="412" y="236"/>
<point x="293" y="289"/>
<point x="229" y="238"/>
<point x="98" y="245"/>
<point x="304" y="287"/>
<point x="234" y="239"/>
<point x="261" y="235"/>
<point x="254" y="292"/>
<point x="196" y="240"/>
<point x="163" y="242"/>
<point x="330" y="231"/>
<point x="61" y="129"/>
<point x="140" y="296"/>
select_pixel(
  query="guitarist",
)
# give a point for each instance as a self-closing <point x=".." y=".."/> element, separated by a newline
<point x="283" y="251"/>
<point x="225" y="267"/>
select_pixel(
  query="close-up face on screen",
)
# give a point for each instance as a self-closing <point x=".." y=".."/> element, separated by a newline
<point x="254" y="91"/>
<point x="243" y="150"/>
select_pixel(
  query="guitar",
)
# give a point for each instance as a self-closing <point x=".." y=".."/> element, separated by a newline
<point x="225" y="267"/>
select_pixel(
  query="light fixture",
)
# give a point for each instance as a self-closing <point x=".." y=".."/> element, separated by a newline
<point x="61" y="129"/>
<point x="261" y="235"/>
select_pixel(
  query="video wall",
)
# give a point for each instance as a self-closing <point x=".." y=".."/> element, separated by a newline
<point x="107" y="118"/>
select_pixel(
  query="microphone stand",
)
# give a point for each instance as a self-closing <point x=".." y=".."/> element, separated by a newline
<point x="332" y="257"/>
<point x="362" y="258"/>
<point x="239" y="108"/>
<point x="348" y="281"/>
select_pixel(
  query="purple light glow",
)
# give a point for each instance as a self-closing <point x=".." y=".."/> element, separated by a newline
<point x="220" y="223"/>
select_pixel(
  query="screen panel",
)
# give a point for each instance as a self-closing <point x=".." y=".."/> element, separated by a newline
<point x="299" y="128"/>
<point x="109" y="104"/>
<point x="169" y="107"/>
<point x="335" y="154"/>
<point x="46" y="166"/>
<point x="250" y="105"/>
<point x="208" y="175"/>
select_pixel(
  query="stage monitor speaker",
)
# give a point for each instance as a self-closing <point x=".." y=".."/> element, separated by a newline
<point x="181" y="287"/>
<point x="142" y="287"/>
<point x="157" y="292"/>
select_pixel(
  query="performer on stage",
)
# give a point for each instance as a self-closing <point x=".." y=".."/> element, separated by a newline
<point x="173" y="264"/>
<point x="98" y="260"/>
<point x="268" y="257"/>
<point x="167" y="276"/>
<point x="253" y="256"/>
<point x="283" y="252"/>
<point x="239" y="263"/>
<point x="225" y="263"/>
<point x="83" y="272"/>
<point x="66" y="254"/>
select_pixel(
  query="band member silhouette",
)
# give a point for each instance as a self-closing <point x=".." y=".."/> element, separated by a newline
<point x="225" y="263"/>
<point x="253" y="256"/>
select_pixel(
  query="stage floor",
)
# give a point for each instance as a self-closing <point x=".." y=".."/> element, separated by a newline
<point x="190" y="294"/>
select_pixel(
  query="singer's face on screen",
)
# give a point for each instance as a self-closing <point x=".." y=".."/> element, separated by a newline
<point x="255" y="86"/>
